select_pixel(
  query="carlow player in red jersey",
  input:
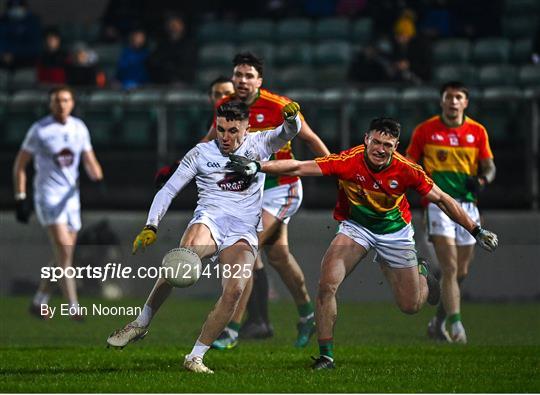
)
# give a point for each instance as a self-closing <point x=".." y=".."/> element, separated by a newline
<point x="373" y="213"/>
<point x="281" y="200"/>
<point x="455" y="152"/>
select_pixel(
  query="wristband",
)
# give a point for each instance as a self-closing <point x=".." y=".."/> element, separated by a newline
<point x="20" y="196"/>
<point x="258" y="165"/>
<point x="477" y="229"/>
<point x="151" y="227"/>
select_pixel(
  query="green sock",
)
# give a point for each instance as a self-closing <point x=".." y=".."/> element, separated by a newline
<point x="326" y="347"/>
<point x="422" y="269"/>
<point x="235" y="326"/>
<point x="452" y="319"/>
<point x="305" y="309"/>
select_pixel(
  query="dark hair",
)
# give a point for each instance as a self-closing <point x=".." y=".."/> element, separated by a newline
<point x="61" y="88"/>
<point x="385" y="126"/>
<point x="249" y="59"/>
<point x="458" y="85"/>
<point x="219" y="80"/>
<point x="233" y="111"/>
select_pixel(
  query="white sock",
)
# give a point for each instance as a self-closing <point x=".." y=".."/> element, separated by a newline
<point x="305" y="319"/>
<point x="74" y="307"/>
<point x="232" y="333"/>
<point x="145" y="317"/>
<point x="41" y="298"/>
<point x="199" y="349"/>
<point x="457" y="327"/>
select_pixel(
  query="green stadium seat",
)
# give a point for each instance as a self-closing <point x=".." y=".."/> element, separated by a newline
<point x="206" y="75"/>
<point x="417" y="104"/>
<point x="144" y="97"/>
<point x="520" y="27"/>
<point x="139" y="128"/>
<point x="29" y="98"/>
<point x="491" y="50"/>
<point x="294" y="54"/>
<point x="188" y="123"/>
<point x="294" y="29"/>
<point x="216" y="55"/>
<point x="104" y="97"/>
<point x="502" y="93"/>
<point x="74" y="32"/>
<point x="332" y="29"/>
<point x="497" y="74"/>
<point x="332" y="53"/>
<point x="263" y="49"/>
<point x="294" y="77"/>
<point x="103" y="126"/>
<point x="108" y="54"/>
<point x="16" y="125"/>
<point x="529" y="75"/>
<point x="418" y="94"/>
<point x="464" y="73"/>
<point x="4" y="79"/>
<point x="361" y="31"/>
<point x="256" y="30"/>
<point x="451" y="51"/>
<point x="214" y="32"/>
<point x="521" y="51"/>
<point x="24" y="78"/>
<point x="331" y="75"/>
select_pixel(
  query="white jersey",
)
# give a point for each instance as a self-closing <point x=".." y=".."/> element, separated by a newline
<point x="56" y="149"/>
<point x="221" y="191"/>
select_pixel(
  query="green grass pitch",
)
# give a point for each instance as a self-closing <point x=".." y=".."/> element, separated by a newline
<point x="378" y="349"/>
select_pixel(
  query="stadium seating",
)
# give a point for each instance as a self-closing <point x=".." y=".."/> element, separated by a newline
<point x="24" y="78"/>
<point x="108" y="54"/>
<point x="214" y="31"/>
<point x="294" y="76"/>
<point x="332" y="29"/>
<point x="262" y="49"/>
<point x="216" y="54"/>
<point x="521" y="26"/>
<point x="294" y="29"/>
<point x="498" y="113"/>
<point x="451" y="51"/>
<point x="521" y="51"/>
<point x="332" y="53"/>
<point x="294" y="54"/>
<point x="206" y="75"/>
<point x="416" y="105"/>
<point x="361" y="31"/>
<point x="491" y="50"/>
<point x="465" y="73"/>
<point x="529" y="75"/>
<point x="497" y="74"/>
<point x="256" y="29"/>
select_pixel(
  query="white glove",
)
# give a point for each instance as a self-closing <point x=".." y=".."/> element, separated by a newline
<point x="486" y="239"/>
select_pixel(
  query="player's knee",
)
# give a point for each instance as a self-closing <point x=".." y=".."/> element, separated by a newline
<point x="449" y="271"/>
<point x="409" y="306"/>
<point x="327" y="290"/>
<point x="278" y="255"/>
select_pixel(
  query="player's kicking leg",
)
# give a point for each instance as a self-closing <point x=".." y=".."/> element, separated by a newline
<point x="233" y="287"/>
<point x="197" y="238"/>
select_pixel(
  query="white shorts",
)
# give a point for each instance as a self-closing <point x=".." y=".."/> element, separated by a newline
<point x="226" y="230"/>
<point x="397" y="249"/>
<point x="283" y="201"/>
<point x="65" y="212"/>
<point x="438" y="223"/>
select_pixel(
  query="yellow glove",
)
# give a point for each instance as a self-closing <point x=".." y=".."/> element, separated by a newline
<point x="147" y="236"/>
<point x="290" y="111"/>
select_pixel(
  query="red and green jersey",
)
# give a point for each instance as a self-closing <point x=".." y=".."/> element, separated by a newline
<point x="265" y="114"/>
<point x="375" y="200"/>
<point x="450" y="155"/>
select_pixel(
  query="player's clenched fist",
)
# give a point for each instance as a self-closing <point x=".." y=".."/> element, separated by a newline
<point x="147" y="236"/>
<point x="290" y="111"/>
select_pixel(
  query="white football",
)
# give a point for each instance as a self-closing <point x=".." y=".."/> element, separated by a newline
<point x="182" y="267"/>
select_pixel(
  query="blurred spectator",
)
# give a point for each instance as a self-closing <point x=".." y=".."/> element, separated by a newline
<point x="132" y="63"/>
<point x="172" y="60"/>
<point x="82" y="68"/>
<point x="370" y="65"/>
<point x="20" y="36"/>
<point x="411" y="53"/>
<point x="121" y="17"/>
<point x="52" y="61"/>
<point x="437" y="20"/>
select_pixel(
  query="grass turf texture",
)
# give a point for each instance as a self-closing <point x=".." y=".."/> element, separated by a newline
<point x="378" y="349"/>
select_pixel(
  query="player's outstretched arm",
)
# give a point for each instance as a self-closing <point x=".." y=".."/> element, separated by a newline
<point x="92" y="166"/>
<point x="292" y="167"/>
<point x="486" y="239"/>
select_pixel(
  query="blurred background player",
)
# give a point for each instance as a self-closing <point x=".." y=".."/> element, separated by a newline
<point x="455" y="152"/>
<point x="227" y="230"/>
<point x="374" y="213"/>
<point x="56" y="143"/>
<point x="281" y="200"/>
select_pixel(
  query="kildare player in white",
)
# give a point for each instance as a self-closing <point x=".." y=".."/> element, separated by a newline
<point x="56" y="143"/>
<point x="224" y="224"/>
